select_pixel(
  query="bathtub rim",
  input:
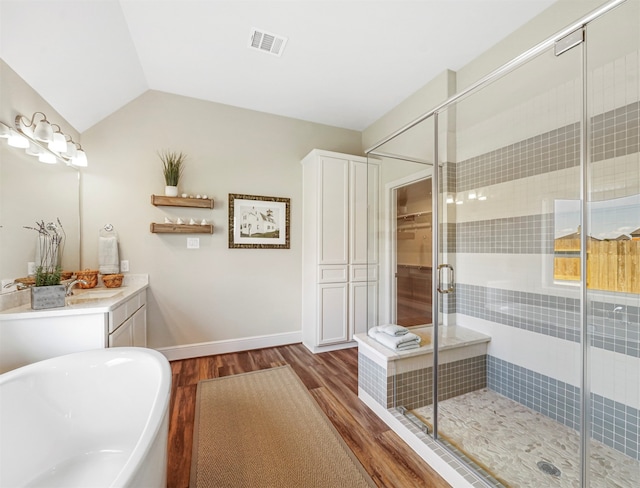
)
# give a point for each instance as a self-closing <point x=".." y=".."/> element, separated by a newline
<point x="154" y="421"/>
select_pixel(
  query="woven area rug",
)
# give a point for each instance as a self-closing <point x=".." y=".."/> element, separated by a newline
<point x="263" y="429"/>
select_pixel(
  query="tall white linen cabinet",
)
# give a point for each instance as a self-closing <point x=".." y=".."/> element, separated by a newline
<point x="339" y="249"/>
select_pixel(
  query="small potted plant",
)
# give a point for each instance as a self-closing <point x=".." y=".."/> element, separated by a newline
<point x="172" y="168"/>
<point x="47" y="291"/>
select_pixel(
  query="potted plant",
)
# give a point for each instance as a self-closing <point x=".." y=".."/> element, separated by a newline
<point x="172" y="168"/>
<point x="48" y="292"/>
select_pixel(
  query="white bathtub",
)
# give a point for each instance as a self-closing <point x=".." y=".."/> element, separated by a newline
<point x="91" y="419"/>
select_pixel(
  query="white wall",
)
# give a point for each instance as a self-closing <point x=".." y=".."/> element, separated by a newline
<point x="213" y="293"/>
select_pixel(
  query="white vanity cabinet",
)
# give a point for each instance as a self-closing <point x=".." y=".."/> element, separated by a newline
<point x="128" y="322"/>
<point x="28" y="336"/>
<point x="339" y="285"/>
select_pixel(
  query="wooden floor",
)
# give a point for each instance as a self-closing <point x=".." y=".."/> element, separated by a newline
<point x="332" y="380"/>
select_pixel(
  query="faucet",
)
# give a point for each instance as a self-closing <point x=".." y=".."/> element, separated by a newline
<point x="69" y="288"/>
<point x="18" y="285"/>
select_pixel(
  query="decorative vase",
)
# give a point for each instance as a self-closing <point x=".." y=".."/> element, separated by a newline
<point x="51" y="296"/>
<point x="171" y="191"/>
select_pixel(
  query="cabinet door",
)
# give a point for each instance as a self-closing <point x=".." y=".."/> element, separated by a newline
<point x="363" y="306"/>
<point x="139" y="327"/>
<point x="333" y="211"/>
<point x="121" y="337"/>
<point x="363" y="212"/>
<point x="332" y="310"/>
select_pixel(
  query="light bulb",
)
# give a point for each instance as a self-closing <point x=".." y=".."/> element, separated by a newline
<point x="71" y="151"/>
<point x="16" y="140"/>
<point x="80" y="159"/>
<point x="43" y="131"/>
<point x="58" y="143"/>
<point x="47" y="158"/>
<point x="33" y="150"/>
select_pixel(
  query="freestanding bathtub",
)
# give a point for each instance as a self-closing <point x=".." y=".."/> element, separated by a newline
<point x="91" y="419"/>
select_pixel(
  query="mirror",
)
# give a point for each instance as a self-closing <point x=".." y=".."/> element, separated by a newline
<point x="31" y="191"/>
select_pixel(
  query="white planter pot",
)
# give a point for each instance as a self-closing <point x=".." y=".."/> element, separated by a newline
<point x="171" y="191"/>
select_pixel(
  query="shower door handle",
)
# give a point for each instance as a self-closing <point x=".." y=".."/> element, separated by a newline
<point x="441" y="269"/>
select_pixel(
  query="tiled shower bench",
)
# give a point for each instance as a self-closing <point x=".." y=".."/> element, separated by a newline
<point x="462" y="359"/>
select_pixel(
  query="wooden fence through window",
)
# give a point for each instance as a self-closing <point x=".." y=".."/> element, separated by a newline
<point x="611" y="265"/>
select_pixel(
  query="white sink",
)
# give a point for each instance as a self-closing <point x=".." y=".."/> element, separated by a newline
<point x="93" y="295"/>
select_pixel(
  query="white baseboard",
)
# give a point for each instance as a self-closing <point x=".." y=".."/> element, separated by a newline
<point x="188" y="351"/>
<point x="332" y="347"/>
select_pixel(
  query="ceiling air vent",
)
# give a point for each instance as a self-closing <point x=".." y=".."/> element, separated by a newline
<point x="267" y="42"/>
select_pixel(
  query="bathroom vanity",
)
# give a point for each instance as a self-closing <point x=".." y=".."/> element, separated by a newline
<point x="94" y="318"/>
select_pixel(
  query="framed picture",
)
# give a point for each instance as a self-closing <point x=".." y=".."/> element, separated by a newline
<point x="257" y="222"/>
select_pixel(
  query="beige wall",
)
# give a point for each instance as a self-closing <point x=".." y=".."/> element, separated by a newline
<point x="212" y="293"/>
<point x="550" y="21"/>
<point x="30" y="190"/>
<point x="427" y="97"/>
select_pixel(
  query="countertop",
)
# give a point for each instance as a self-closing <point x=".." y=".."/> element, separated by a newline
<point x="76" y="305"/>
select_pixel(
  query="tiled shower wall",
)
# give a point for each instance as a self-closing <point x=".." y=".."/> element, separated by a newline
<point x="613" y="423"/>
<point x="614" y="320"/>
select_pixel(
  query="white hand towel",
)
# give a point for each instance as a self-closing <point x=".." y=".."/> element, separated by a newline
<point x="393" y="330"/>
<point x="396" y="343"/>
<point x="108" y="256"/>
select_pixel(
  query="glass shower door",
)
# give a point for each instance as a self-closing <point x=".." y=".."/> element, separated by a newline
<point x="509" y="342"/>
<point x="613" y="265"/>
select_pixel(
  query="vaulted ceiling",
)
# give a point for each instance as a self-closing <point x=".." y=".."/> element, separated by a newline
<point x="346" y="63"/>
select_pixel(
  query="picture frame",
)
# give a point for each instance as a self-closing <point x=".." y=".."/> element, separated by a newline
<point x="258" y="222"/>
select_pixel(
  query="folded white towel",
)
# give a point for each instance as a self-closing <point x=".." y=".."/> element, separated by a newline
<point x="396" y="343"/>
<point x="108" y="256"/>
<point x="393" y="330"/>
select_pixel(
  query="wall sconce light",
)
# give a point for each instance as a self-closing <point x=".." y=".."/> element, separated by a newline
<point x="44" y="140"/>
<point x="81" y="157"/>
<point x="58" y="141"/>
<point x="40" y="131"/>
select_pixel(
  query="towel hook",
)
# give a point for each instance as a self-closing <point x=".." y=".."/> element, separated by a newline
<point x="108" y="227"/>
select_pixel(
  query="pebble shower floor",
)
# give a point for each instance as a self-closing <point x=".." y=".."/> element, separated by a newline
<point x="511" y="442"/>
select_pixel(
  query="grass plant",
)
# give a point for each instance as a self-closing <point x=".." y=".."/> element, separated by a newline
<point x="172" y="166"/>
<point x="51" y="238"/>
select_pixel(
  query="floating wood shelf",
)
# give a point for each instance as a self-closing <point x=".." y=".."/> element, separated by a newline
<point x="181" y="228"/>
<point x="161" y="200"/>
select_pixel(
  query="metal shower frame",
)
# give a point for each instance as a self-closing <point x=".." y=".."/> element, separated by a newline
<point x="577" y="28"/>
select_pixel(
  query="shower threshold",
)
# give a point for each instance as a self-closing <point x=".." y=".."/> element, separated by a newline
<point x="427" y="429"/>
<point x="509" y="442"/>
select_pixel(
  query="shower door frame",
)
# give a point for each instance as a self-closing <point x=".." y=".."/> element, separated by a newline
<point x="546" y="45"/>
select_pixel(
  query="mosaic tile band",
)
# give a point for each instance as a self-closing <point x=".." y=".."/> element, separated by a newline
<point x="529" y="234"/>
<point x="615" y="327"/>
<point x="614" y="133"/>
